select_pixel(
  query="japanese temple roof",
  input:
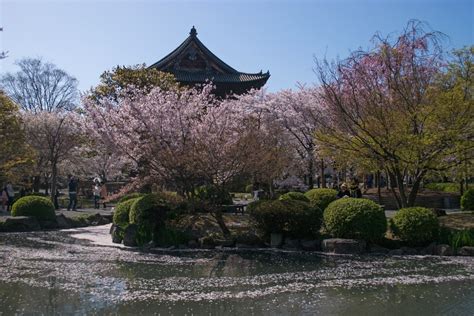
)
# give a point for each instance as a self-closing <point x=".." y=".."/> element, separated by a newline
<point x="192" y="62"/>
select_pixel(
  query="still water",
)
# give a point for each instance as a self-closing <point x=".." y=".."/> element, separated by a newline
<point x="81" y="272"/>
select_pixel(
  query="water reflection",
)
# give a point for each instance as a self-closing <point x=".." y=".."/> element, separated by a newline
<point x="79" y="271"/>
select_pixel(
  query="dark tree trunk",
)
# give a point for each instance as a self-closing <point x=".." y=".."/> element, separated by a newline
<point x="323" y="178"/>
<point x="217" y="214"/>
<point x="379" y="194"/>
<point x="54" y="178"/>
<point x="310" y="174"/>
<point x="36" y="183"/>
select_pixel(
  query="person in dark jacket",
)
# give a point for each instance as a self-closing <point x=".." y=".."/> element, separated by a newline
<point x="344" y="191"/>
<point x="72" y="187"/>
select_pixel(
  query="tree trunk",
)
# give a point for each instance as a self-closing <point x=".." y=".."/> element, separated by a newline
<point x="54" y="177"/>
<point x="310" y="174"/>
<point x="323" y="178"/>
<point x="36" y="183"/>
<point x="414" y="190"/>
<point x="217" y="214"/>
<point x="401" y="188"/>
<point x="379" y="194"/>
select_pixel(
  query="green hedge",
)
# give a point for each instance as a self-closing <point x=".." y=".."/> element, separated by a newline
<point x="443" y="187"/>
<point x="467" y="200"/>
<point x="130" y="196"/>
<point x="293" y="196"/>
<point x="415" y="225"/>
<point x="355" y="218"/>
<point x="321" y="198"/>
<point x="122" y="212"/>
<point x="214" y="195"/>
<point x="40" y="207"/>
<point x="290" y="217"/>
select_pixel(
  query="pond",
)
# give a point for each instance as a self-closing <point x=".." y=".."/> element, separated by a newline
<point x="81" y="272"/>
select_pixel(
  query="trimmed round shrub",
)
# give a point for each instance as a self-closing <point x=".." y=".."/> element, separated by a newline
<point x="293" y="196"/>
<point x="37" y="206"/>
<point x="415" y="225"/>
<point x="467" y="200"/>
<point x="148" y="209"/>
<point x="130" y="196"/>
<point x="290" y="217"/>
<point x="355" y="218"/>
<point x="214" y="195"/>
<point x="122" y="213"/>
<point x="321" y="197"/>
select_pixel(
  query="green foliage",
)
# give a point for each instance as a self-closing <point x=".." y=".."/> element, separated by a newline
<point x="443" y="187"/>
<point x="168" y="236"/>
<point x="213" y="195"/>
<point x="467" y="200"/>
<point x="15" y="155"/>
<point x="114" y="82"/>
<point x="290" y="217"/>
<point x="148" y="209"/>
<point x="294" y="196"/>
<point x="355" y="218"/>
<point x="130" y="196"/>
<point x="37" y="206"/>
<point x="321" y="197"/>
<point x="462" y="238"/>
<point x="249" y="188"/>
<point x="122" y="212"/>
<point x="415" y="225"/>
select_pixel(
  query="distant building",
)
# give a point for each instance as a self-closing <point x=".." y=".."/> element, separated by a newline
<point x="192" y="63"/>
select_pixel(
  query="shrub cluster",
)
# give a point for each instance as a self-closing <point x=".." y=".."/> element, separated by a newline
<point x="290" y="217"/>
<point x="467" y="200"/>
<point x="130" y="196"/>
<point x="293" y="196"/>
<point x="321" y="198"/>
<point x="37" y="206"/>
<point x="213" y="195"/>
<point x="122" y="212"/>
<point x="415" y="225"/>
<point x="443" y="186"/>
<point x="355" y="218"/>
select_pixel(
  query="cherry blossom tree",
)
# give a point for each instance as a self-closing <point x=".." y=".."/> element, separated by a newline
<point x="180" y="139"/>
<point x="380" y="108"/>
<point x="299" y="113"/>
<point x="54" y="136"/>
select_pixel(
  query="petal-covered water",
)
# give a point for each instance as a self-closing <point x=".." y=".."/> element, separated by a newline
<point x="81" y="272"/>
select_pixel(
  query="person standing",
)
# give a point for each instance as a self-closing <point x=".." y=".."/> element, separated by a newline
<point x="96" y="191"/>
<point x="103" y="193"/>
<point x="72" y="187"/>
<point x="11" y="196"/>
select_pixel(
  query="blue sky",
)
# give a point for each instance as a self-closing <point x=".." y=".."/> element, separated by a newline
<point x="87" y="37"/>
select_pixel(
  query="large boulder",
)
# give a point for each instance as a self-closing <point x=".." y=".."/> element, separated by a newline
<point x="444" y="250"/>
<point x="63" y="222"/>
<point x="466" y="251"/>
<point x="291" y="243"/>
<point x="117" y="234"/>
<point x="344" y="246"/>
<point x="311" y="244"/>
<point x="130" y="235"/>
<point x="21" y="223"/>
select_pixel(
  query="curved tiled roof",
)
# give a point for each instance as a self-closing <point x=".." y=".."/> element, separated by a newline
<point x="220" y="72"/>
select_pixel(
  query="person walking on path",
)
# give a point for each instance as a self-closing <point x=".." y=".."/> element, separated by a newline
<point x="96" y="190"/>
<point x="72" y="186"/>
<point x="103" y="193"/>
<point x="11" y="196"/>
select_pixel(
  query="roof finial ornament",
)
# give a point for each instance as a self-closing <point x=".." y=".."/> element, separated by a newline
<point x="193" y="32"/>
